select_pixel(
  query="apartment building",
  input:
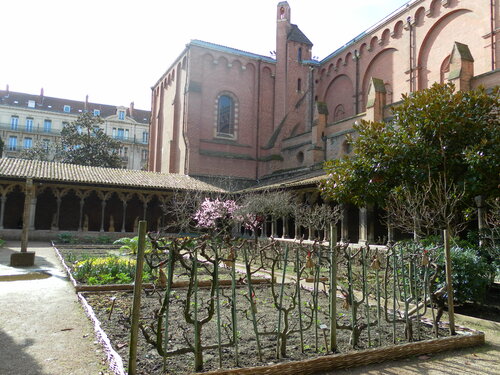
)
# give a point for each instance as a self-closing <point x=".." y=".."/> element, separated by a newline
<point x="29" y="119"/>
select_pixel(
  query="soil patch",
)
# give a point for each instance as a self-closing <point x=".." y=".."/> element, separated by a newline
<point x="117" y="325"/>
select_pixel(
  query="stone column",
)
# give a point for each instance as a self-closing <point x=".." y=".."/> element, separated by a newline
<point x="481" y="222"/>
<point x="285" y="227"/>
<point x="104" y="197"/>
<point x="124" y="215"/>
<point x="103" y="207"/>
<point x="80" y="219"/>
<point x="370" y="224"/>
<point x="2" y="210"/>
<point x="344" y="224"/>
<point x="82" y="194"/>
<point x="363" y="226"/>
<point x="32" y="212"/>
<point x="28" y="194"/>
<point x="58" y="212"/>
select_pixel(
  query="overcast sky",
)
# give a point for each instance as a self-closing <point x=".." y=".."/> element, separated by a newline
<point x="115" y="50"/>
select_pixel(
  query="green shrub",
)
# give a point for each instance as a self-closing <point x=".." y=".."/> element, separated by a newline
<point x="131" y="244"/>
<point x="471" y="274"/>
<point x="65" y="238"/>
<point x="107" y="270"/>
<point x="2" y="242"/>
<point x="103" y="240"/>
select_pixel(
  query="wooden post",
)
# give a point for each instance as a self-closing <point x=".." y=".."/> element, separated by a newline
<point x="136" y="307"/>
<point x="333" y="287"/>
<point x="447" y="255"/>
<point x="26" y="214"/>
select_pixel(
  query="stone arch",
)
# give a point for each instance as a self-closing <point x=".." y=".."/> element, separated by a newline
<point x="389" y="95"/>
<point x="397" y="32"/>
<point x="437" y="45"/>
<point x="223" y="62"/>
<point x="381" y="66"/>
<point x="348" y="58"/>
<point x="338" y="64"/>
<point x="69" y="212"/>
<point x="208" y="58"/>
<point x="419" y="16"/>
<point x="434" y="8"/>
<point x="385" y="37"/>
<point x="373" y="43"/>
<point x="340" y="91"/>
<point x="237" y="65"/>
<point x="362" y="49"/>
<point x="330" y="67"/>
<point x="338" y="113"/>
<point x="445" y="69"/>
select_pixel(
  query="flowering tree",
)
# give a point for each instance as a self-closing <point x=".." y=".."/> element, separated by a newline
<point x="215" y="214"/>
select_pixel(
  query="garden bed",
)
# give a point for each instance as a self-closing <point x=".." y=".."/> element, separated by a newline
<point x="72" y="254"/>
<point x="117" y="325"/>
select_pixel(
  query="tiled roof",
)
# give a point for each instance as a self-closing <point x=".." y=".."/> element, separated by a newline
<point x="72" y="173"/>
<point x="295" y="35"/>
<point x="47" y="103"/>
<point x="313" y="178"/>
<point x="230" y="50"/>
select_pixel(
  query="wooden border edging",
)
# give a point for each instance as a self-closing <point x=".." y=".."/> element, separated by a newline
<point x="465" y="338"/>
<point x="175" y="284"/>
<point x="129" y="287"/>
<point x="115" y="362"/>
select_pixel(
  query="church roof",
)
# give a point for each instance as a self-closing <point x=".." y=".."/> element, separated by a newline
<point x="81" y="174"/>
<point x="233" y="51"/>
<point x="295" y="35"/>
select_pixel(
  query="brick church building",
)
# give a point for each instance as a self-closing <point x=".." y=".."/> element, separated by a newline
<point x="220" y="111"/>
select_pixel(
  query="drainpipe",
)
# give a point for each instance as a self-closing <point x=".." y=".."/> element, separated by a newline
<point x="356" y="94"/>
<point x="410" y="28"/>
<point x="185" y="115"/>
<point x="311" y="96"/>
<point x="492" y="30"/>
<point x="258" y="124"/>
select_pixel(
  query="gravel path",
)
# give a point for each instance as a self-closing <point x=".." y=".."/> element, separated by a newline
<point x="43" y="329"/>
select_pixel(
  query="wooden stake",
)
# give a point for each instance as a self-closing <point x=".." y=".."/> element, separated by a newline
<point x="134" y="330"/>
<point x="449" y="281"/>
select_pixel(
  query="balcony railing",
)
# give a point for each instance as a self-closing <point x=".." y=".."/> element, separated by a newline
<point x="34" y="129"/>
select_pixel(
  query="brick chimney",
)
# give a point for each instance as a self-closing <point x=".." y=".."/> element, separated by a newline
<point x="131" y="110"/>
<point x="41" y="95"/>
<point x="86" y="103"/>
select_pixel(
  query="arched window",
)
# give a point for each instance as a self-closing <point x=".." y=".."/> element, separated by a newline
<point x="339" y="113"/>
<point x="299" y="55"/>
<point x="225" y="116"/>
<point x="445" y="69"/>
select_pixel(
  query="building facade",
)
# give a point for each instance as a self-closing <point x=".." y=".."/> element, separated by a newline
<point x="220" y="111"/>
<point x="27" y="119"/>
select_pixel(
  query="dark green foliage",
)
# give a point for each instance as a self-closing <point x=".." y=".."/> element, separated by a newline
<point x="69" y="238"/>
<point x="435" y="133"/>
<point x="471" y="275"/>
<point x="107" y="270"/>
<point x="85" y="143"/>
<point x="42" y="151"/>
